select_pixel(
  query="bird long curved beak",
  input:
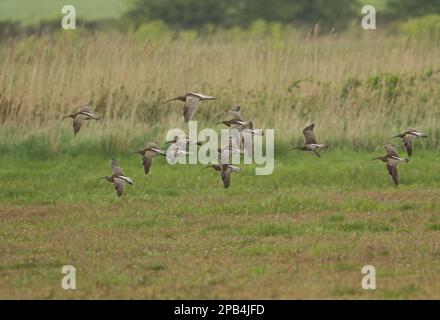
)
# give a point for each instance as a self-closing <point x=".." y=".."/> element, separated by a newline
<point x="395" y="137"/>
<point x="66" y="117"/>
<point x="375" y="159"/>
<point x="170" y="100"/>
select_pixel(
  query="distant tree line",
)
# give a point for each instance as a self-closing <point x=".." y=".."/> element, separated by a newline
<point x="197" y="14"/>
<point x="404" y="9"/>
<point x="225" y="13"/>
<point x="189" y="14"/>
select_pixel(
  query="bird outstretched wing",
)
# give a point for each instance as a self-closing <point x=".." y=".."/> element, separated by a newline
<point x="316" y="152"/>
<point x="392" y="170"/>
<point x="147" y="164"/>
<point x="309" y="136"/>
<point x="116" y="169"/>
<point x="408" y="143"/>
<point x="199" y="96"/>
<point x="391" y="150"/>
<point x="226" y="175"/>
<point x="119" y="186"/>
<point x="190" y="107"/>
<point x="77" y="123"/>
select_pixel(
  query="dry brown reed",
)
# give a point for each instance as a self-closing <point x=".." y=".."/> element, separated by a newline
<point x="358" y="88"/>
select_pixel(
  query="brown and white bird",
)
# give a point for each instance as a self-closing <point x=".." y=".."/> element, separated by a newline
<point x="392" y="160"/>
<point x="225" y="173"/>
<point x="233" y="123"/>
<point x="225" y="158"/>
<point x="118" y="178"/>
<point x="174" y="151"/>
<point x="310" y="143"/>
<point x="225" y="155"/>
<point x="84" y="113"/>
<point x="242" y="132"/>
<point x="191" y="102"/>
<point x="148" y="154"/>
<point x="408" y="137"/>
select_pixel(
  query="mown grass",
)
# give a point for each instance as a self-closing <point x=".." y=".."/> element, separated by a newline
<point x="74" y="179"/>
<point x="303" y="232"/>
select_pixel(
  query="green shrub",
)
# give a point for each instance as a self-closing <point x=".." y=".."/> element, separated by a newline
<point x="154" y="30"/>
<point x="426" y="26"/>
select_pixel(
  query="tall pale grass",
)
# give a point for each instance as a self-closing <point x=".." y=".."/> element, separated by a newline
<point x="359" y="89"/>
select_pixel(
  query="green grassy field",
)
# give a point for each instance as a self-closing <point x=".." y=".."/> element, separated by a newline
<point x="303" y="232"/>
<point x="33" y="11"/>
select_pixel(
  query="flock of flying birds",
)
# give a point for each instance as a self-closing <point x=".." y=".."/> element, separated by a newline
<point x="242" y="130"/>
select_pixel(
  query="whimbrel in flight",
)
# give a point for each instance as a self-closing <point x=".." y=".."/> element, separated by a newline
<point x="85" y="113"/>
<point x="148" y="154"/>
<point x="242" y="132"/>
<point x="225" y="172"/>
<point x="226" y="168"/>
<point x="310" y="143"/>
<point x="225" y="157"/>
<point x="234" y="122"/>
<point x="191" y="101"/>
<point x="392" y="159"/>
<point x="118" y="178"/>
<point x="174" y="151"/>
<point x="408" y="137"/>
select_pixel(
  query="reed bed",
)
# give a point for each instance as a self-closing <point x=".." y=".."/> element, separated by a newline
<point x="359" y="88"/>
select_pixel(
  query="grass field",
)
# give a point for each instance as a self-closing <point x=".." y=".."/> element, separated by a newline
<point x="33" y="11"/>
<point x="303" y="232"/>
